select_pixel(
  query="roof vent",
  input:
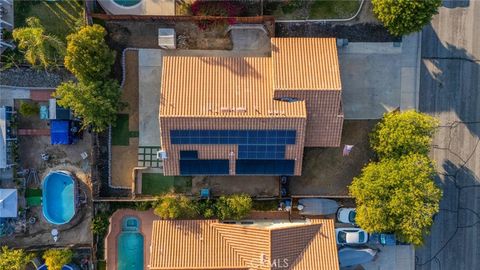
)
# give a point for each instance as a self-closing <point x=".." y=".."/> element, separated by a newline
<point x="225" y="109"/>
<point x="241" y="109"/>
<point x="167" y="38"/>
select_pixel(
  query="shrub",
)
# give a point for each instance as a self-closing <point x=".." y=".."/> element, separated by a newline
<point x="56" y="258"/>
<point x="143" y="205"/>
<point x="400" y="133"/>
<point x="14" y="259"/>
<point x="28" y="109"/>
<point x="402" y="17"/>
<point x="234" y="206"/>
<point x="206" y="208"/>
<point x="100" y="224"/>
<point x="172" y="206"/>
<point x="88" y="56"/>
<point x="397" y="195"/>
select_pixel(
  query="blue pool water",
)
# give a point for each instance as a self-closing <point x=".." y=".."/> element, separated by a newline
<point x="127" y="3"/>
<point x="58" y="203"/>
<point x="130" y="245"/>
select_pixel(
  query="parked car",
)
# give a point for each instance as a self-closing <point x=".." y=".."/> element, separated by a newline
<point x="386" y="239"/>
<point x="353" y="256"/>
<point x="346" y="215"/>
<point x="284" y="190"/>
<point x="351" y="236"/>
<point x="317" y="207"/>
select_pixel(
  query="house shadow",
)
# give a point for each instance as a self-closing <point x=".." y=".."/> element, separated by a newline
<point x="449" y="81"/>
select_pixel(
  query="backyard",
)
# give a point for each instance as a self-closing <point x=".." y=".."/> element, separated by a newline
<point x="157" y="184"/>
<point x="280" y="9"/>
<point x="59" y="18"/>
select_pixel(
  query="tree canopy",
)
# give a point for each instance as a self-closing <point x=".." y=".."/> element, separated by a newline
<point x="95" y="102"/>
<point x="56" y="258"/>
<point x="88" y="56"/>
<point x="14" y="259"/>
<point x="397" y="196"/>
<point x="39" y="48"/>
<point x="235" y="206"/>
<point x="400" y="133"/>
<point x="402" y="17"/>
<point x="172" y="206"/>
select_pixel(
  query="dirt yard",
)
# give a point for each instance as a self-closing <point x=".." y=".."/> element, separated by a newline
<point x="256" y="186"/>
<point x="326" y="172"/>
<point x="124" y="157"/>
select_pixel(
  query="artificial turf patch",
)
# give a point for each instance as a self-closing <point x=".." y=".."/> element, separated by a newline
<point x="120" y="132"/>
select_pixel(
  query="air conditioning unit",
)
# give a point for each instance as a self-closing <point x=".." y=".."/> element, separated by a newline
<point x="167" y="38"/>
<point x="161" y="154"/>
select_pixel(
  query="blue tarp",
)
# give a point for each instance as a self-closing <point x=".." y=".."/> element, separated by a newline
<point x="60" y="132"/>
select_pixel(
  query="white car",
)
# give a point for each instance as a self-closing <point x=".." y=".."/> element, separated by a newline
<point x="351" y="236"/>
<point x="346" y="215"/>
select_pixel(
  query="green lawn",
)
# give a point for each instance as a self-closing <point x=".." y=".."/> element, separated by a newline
<point x="120" y="132"/>
<point x="313" y="9"/>
<point x="156" y="184"/>
<point x="328" y="9"/>
<point x="59" y="18"/>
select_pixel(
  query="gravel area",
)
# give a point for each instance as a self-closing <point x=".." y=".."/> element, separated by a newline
<point x="362" y="32"/>
<point x="27" y="77"/>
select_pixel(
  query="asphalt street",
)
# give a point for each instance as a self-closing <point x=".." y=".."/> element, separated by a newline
<point x="450" y="90"/>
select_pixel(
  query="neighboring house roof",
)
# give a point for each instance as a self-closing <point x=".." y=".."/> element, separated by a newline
<point x="221" y="87"/>
<point x="305" y="64"/>
<point x="208" y="244"/>
<point x="8" y="203"/>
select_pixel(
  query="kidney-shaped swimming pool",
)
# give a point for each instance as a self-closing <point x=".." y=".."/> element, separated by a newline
<point x="58" y="202"/>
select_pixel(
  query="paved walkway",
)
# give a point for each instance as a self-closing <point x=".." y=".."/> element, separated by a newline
<point x="379" y="77"/>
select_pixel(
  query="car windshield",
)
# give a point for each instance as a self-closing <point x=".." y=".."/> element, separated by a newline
<point x="361" y="237"/>
<point x="342" y="237"/>
<point x="351" y="216"/>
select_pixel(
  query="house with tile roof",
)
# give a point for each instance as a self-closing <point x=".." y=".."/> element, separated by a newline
<point x="250" y="115"/>
<point x="260" y="244"/>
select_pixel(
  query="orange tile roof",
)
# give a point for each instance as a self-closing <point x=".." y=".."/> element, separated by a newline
<point x="305" y="64"/>
<point x="208" y="244"/>
<point x="221" y="87"/>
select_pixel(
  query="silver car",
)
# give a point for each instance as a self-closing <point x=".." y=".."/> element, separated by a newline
<point x="351" y="236"/>
<point x="346" y="215"/>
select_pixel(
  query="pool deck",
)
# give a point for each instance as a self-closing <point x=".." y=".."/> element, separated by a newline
<point x="146" y="220"/>
<point x="145" y="7"/>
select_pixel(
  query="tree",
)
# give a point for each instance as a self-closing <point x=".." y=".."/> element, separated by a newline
<point x="56" y="258"/>
<point x="172" y="206"/>
<point x="235" y="206"/>
<point x="403" y="133"/>
<point x="100" y="224"/>
<point x="95" y="102"/>
<point x="88" y="56"/>
<point x="39" y="48"/>
<point x="402" y="17"/>
<point x="397" y="196"/>
<point x="14" y="259"/>
<point x="28" y="109"/>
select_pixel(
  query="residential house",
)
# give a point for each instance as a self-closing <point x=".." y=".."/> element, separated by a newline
<point x="250" y="115"/>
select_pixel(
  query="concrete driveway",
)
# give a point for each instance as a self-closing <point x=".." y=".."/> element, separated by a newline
<point x="378" y="77"/>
